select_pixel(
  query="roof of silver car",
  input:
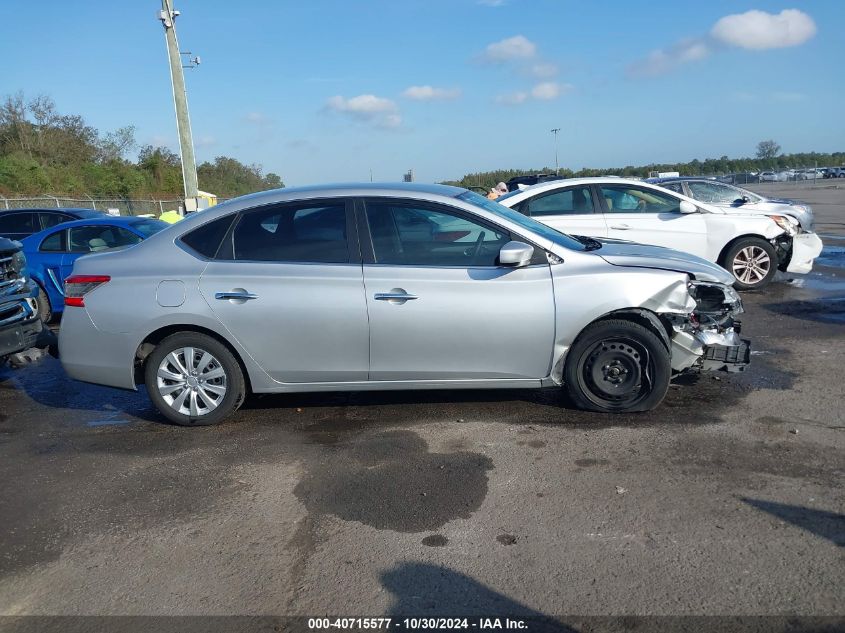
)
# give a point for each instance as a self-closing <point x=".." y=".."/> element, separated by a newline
<point x="353" y="188"/>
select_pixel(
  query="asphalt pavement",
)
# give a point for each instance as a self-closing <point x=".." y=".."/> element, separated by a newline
<point x="726" y="500"/>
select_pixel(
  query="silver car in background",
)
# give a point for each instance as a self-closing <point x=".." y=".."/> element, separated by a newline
<point x="374" y="287"/>
<point x="739" y="200"/>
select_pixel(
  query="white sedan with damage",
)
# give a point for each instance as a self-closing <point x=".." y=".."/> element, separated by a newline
<point x="751" y="247"/>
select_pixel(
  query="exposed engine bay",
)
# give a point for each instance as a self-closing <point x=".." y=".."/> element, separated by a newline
<point x="708" y="338"/>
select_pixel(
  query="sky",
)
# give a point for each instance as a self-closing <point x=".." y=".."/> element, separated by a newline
<point x="334" y="90"/>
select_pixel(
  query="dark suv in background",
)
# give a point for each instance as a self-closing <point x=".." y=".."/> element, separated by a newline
<point x="17" y="224"/>
<point x="19" y="322"/>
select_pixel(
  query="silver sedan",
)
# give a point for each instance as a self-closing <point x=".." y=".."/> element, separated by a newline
<point x="374" y="287"/>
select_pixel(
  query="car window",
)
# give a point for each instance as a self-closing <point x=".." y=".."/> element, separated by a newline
<point x="52" y="219"/>
<point x="633" y="199"/>
<point x="673" y="186"/>
<point x="149" y="227"/>
<point x="17" y="223"/>
<point x="54" y="243"/>
<point x="206" y="239"/>
<point x="534" y="226"/>
<point x="714" y="193"/>
<point x="419" y="235"/>
<point x="293" y="234"/>
<point x="572" y="201"/>
<point x="91" y="239"/>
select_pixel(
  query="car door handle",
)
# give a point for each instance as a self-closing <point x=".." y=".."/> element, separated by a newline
<point x="620" y="227"/>
<point x="236" y="295"/>
<point x="396" y="296"/>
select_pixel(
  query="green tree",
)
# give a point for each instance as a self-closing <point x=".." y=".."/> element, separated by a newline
<point x="767" y="150"/>
<point x="229" y="177"/>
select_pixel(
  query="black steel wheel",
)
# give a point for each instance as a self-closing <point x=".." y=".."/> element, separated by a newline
<point x="617" y="366"/>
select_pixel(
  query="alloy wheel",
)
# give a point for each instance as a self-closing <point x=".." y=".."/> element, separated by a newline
<point x="751" y="265"/>
<point x="191" y="381"/>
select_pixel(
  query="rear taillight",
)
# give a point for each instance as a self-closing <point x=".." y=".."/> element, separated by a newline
<point x="77" y="286"/>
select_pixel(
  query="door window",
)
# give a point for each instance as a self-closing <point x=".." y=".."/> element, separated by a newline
<point x="52" y="219"/>
<point x="17" y="223"/>
<point x="572" y="201"/>
<point x="633" y="199"/>
<point x="91" y="239"/>
<point x="315" y="233"/>
<point x="418" y="235"/>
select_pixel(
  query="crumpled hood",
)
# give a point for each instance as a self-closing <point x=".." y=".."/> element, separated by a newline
<point x="622" y="253"/>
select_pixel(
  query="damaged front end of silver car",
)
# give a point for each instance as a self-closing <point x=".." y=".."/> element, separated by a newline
<point x="707" y="339"/>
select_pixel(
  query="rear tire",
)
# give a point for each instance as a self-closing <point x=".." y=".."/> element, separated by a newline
<point x="617" y="366"/>
<point x="753" y="262"/>
<point x="194" y="380"/>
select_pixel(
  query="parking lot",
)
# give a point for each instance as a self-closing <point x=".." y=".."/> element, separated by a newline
<point x="726" y="500"/>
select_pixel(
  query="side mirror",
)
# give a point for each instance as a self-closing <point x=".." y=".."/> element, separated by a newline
<point x="688" y="207"/>
<point x="744" y="199"/>
<point x="516" y="254"/>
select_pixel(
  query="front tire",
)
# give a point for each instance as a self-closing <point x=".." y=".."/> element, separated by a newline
<point x="194" y="380"/>
<point x="45" y="311"/>
<point x="753" y="263"/>
<point x="617" y="366"/>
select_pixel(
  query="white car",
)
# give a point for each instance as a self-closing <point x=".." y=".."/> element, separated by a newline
<point x="752" y="247"/>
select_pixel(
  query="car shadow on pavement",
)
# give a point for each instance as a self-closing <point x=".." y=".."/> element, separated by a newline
<point x="46" y="383"/>
<point x="828" y="525"/>
<point x="430" y="591"/>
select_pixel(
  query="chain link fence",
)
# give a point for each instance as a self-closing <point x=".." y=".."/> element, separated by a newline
<point x="125" y="206"/>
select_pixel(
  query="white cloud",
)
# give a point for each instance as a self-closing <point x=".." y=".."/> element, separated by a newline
<point x="509" y="49"/>
<point x="430" y="93"/>
<point x="758" y="30"/>
<point x="367" y="108"/>
<point x="753" y="30"/>
<point x="543" y="70"/>
<point x="513" y="98"/>
<point x="543" y="91"/>
<point x="661" y="61"/>
<point x="548" y="90"/>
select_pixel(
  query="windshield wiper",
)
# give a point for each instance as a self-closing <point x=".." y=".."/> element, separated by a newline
<point x="589" y="243"/>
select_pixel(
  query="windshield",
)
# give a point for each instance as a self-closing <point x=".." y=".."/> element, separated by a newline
<point x="532" y="225"/>
<point x="149" y="227"/>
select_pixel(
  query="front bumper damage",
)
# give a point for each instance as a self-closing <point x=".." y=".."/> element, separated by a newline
<point x="796" y="253"/>
<point x="708" y="338"/>
<point x="805" y="248"/>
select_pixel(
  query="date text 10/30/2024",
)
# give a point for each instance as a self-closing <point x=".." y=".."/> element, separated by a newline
<point x="417" y="623"/>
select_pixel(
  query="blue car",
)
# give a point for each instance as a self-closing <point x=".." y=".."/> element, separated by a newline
<point x="51" y="253"/>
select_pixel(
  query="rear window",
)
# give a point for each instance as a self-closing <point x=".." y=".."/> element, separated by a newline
<point x="206" y="239"/>
<point x="149" y="227"/>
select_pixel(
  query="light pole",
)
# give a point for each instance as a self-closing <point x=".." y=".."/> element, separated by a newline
<point x="554" y="131"/>
<point x="180" y="100"/>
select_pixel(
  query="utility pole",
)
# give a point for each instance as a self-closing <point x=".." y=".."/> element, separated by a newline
<point x="555" y="130"/>
<point x="180" y="100"/>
